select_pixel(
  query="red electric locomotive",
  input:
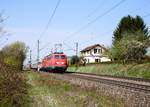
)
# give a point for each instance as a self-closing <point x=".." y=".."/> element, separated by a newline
<point x="54" y="62"/>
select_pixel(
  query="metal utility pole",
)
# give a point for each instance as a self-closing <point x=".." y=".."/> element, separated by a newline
<point x="76" y="55"/>
<point x="38" y="51"/>
<point x="30" y="58"/>
<point x="76" y="48"/>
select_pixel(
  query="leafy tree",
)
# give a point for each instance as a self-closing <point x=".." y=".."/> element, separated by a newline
<point x="130" y="25"/>
<point x="131" y="39"/>
<point x="15" y="54"/>
<point x="74" y="60"/>
<point x="132" y="47"/>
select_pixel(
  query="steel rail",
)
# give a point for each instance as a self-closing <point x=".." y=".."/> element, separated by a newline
<point x="111" y="76"/>
<point x="123" y="84"/>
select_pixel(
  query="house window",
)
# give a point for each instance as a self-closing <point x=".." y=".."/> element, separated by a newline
<point x="95" y="50"/>
<point x="99" y="50"/>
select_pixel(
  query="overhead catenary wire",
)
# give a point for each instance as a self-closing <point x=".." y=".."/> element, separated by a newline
<point x="50" y="19"/>
<point x="94" y="20"/>
<point x="140" y="8"/>
<point x="90" y="14"/>
<point x="144" y="16"/>
<point x="68" y="46"/>
<point x="47" y="44"/>
<point x="97" y="8"/>
<point x="147" y="15"/>
<point x="47" y="26"/>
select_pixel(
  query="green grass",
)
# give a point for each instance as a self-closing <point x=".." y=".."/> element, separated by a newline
<point x="47" y="91"/>
<point x="126" y="70"/>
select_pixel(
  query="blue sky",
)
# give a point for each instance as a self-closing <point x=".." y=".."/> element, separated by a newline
<point x="28" y="18"/>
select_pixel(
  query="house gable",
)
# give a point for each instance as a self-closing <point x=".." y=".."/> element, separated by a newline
<point x="95" y="50"/>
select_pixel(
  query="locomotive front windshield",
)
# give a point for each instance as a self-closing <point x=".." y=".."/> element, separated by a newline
<point x="57" y="57"/>
<point x="63" y="56"/>
<point x="60" y="56"/>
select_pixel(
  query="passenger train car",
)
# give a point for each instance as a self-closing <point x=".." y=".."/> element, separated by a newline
<point x="54" y="62"/>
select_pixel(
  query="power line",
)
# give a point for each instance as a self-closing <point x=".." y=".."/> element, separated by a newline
<point x="146" y="15"/>
<point x="38" y="51"/>
<point x="48" y="43"/>
<point x="76" y="48"/>
<point x="97" y="18"/>
<point x="30" y="61"/>
<point x="138" y="9"/>
<point x="99" y="6"/>
<point x="46" y="27"/>
<point x="50" y="19"/>
<point x="94" y="37"/>
<point x="89" y="14"/>
<point x="91" y="22"/>
<point x="70" y="48"/>
<point x="96" y="9"/>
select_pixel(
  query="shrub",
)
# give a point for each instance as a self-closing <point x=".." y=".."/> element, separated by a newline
<point x="74" y="60"/>
<point x="14" y="54"/>
<point x="13" y="87"/>
<point x="132" y="47"/>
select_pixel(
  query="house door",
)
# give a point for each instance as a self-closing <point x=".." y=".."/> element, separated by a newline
<point x="97" y="60"/>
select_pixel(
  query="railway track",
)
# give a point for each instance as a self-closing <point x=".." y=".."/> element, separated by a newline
<point x="136" y="84"/>
<point x="134" y="92"/>
<point x="118" y="77"/>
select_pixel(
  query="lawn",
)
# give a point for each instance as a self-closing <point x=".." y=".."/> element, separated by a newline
<point x="47" y="91"/>
<point x="126" y="70"/>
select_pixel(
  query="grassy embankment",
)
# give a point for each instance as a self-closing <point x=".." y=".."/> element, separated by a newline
<point x="126" y="70"/>
<point x="47" y="91"/>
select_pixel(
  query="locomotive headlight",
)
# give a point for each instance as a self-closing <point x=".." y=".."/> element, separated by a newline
<point x="60" y="62"/>
<point x="57" y="62"/>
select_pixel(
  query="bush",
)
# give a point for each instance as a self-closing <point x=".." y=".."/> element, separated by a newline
<point x="132" y="47"/>
<point x="13" y="87"/>
<point x="74" y="60"/>
<point x="14" y="54"/>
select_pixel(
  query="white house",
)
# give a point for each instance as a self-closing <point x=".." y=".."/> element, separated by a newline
<point x="95" y="54"/>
